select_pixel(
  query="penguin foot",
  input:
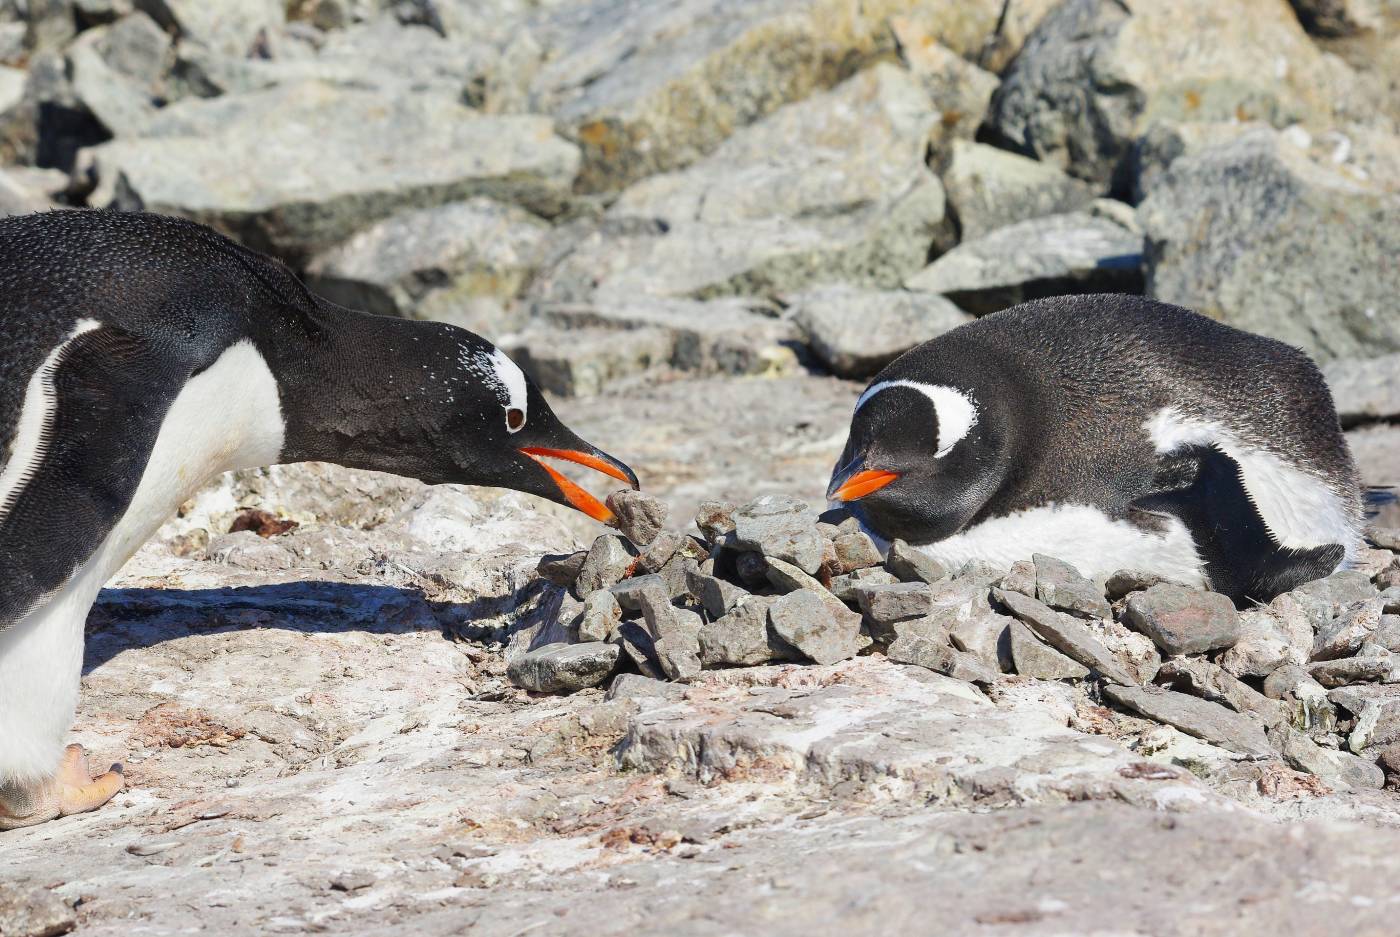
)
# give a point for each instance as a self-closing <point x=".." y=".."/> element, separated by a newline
<point x="72" y="790"/>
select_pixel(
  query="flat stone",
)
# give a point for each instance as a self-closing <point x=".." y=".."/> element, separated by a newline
<point x="1348" y="670"/>
<point x="590" y="361"/>
<point x="667" y="545"/>
<point x="1183" y="621"/>
<point x="639" y="516"/>
<point x="561" y="569"/>
<point x="564" y="668"/>
<point x="29" y="911"/>
<point x="1020" y="578"/>
<point x="1387" y="538"/>
<point x="991" y="188"/>
<point x="1377" y="712"/>
<point x="1263" y="646"/>
<point x="1127" y="581"/>
<point x="883" y="605"/>
<point x="1345" y="634"/>
<point x="856" y="551"/>
<point x="633" y="686"/>
<point x="676" y="634"/>
<point x="742" y="638"/>
<point x="806" y="622"/>
<point x="1196" y="717"/>
<point x="984" y="634"/>
<point x="715" y="519"/>
<point x="1065" y="635"/>
<point x="601" y="616"/>
<point x="1033" y="658"/>
<point x="844" y="587"/>
<point x="855" y="332"/>
<point x="717" y="596"/>
<point x="629" y="592"/>
<point x="1060" y="586"/>
<point x="934" y="653"/>
<point x="910" y="564"/>
<point x="1311" y="710"/>
<point x="1339" y="769"/>
<point x="608" y="562"/>
<point x="1070" y="253"/>
<point x="639" y="645"/>
<point x="1209" y="681"/>
<point x="781" y="528"/>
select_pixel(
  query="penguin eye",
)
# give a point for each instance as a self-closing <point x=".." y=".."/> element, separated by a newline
<point x="515" y="419"/>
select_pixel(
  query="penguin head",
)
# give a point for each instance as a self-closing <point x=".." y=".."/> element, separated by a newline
<point x="438" y="403"/>
<point x="918" y="463"/>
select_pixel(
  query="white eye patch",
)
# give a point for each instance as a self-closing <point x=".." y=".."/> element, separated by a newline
<point x="956" y="411"/>
<point x="506" y="379"/>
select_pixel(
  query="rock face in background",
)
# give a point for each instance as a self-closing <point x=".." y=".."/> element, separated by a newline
<point x="700" y="224"/>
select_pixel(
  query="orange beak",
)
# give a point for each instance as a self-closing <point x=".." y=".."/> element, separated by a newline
<point x="864" y="483"/>
<point x="575" y="495"/>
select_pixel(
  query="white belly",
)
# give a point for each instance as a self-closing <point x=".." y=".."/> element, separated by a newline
<point x="1082" y="536"/>
<point x="228" y="417"/>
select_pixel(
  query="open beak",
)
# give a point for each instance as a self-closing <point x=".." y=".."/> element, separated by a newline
<point x="855" y="482"/>
<point x="576" y="496"/>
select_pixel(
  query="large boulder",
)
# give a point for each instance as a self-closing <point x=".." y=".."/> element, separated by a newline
<point x="1096" y="72"/>
<point x="856" y="332"/>
<point x="990" y="188"/>
<point x="1257" y="234"/>
<point x="298" y="169"/>
<point x="830" y="188"/>
<point x="686" y="75"/>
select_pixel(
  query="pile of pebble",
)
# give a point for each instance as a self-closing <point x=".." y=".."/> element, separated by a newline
<point x="1313" y="677"/>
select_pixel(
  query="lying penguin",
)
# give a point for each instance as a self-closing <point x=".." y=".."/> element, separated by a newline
<point x="1113" y="432"/>
<point x="145" y="355"/>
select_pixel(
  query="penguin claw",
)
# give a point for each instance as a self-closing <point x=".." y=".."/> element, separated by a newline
<point x="73" y="790"/>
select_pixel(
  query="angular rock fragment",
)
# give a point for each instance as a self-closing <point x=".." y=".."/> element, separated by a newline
<point x="990" y="188"/>
<point x="1126" y="581"/>
<point x="1033" y="658"/>
<point x="639" y="516"/>
<point x="806" y="622"/>
<point x="1020" y="578"/>
<point x="667" y="544"/>
<point x="561" y="569"/>
<point x="601" y="616"/>
<point x="844" y="587"/>
<point x="715" y="519"/>
<point x="1311" y="710"/>
<point x="563" y="668"/>
<point x="1065" y="635"/>
<point x="1200" y="677"/>
<point x="1335" y="673"/>
<point x="631" y="686"/>
<point x="1060" y="586"/>
<point x="640" y="647"/>
<point x="855" y="332"/>
<point x="608" y="562"/>
<point x="628" y="593"/>
<point x="883" y="605"/>
<point x="742" y="638"/>
<point x="30" y="911"/>
<point x="932" y="652"/>
<point x="1377" y="712"/>
<point x="781" y="528"/>
<point x="1263" y="646"/>
<point x="1183" y="621"/>
<point x="1338" y="769"/>
<point x="983" y="634"/>
<point x="675" y="632"/>
<point x="912" y="565"/>
<point x="1345" y="634"/>
<point x="1196" y="717"/>
<point x="856" y="551"/>
<point x="717" y="596"/>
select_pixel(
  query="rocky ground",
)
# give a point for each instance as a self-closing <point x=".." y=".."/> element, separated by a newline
<point x="702" y="224"/>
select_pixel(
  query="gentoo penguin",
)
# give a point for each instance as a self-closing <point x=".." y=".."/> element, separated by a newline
<point x="1113" y="432"/>
<point x="145" y="355"/>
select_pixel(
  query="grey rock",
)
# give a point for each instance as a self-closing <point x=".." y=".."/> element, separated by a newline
<point x="231" y="28"/>
<point x="1335" y="18"/>
<point x="933" y="653"/>
<point x="654" y="557"/>
<point x="246" y="549"/>
<point x="780" y="528"/>
<point x="1365" y="390"/>
<point x="983" y="634"/>
<point x="608" y="562"/>
<point x="1345" y="634"/>
<point x="911" y="565"/>
<point x="1387" y="633"/>
<point x="564" y="668"/>
<point x="1033" y="658"/>
<point x="1196" y="717"/>
<point x="715" y="519"/>
<point x="297" y="169"/>
<point x="1263" y="646"/>
<point x="639" y="516"/>
<point x="806" y="622"/>
<point x="785" y="577"/>
<point x="1377" y="712"/>
<point x="1060" y="586"/>
<point x="1200" y="677"/>
<point x="1065" y="635"/>
<point x="601" y="617"/>
<point x="1020" y="578"/>
<point x="1126" y="581"/>
<point x="1094" y="75"/>
<point x="856" y="551"/>
<point x="640" y="648"/>
<point x="844" y="587"/>
<point x="1339" y="769"/>
<point x="561" y="569"/>
<point x="679" y="649"/>
<point x="1067" y="253"/>
<point x="629" y="592"/>
<point x="1339" y="589"/>
<point x="742" y="637"/>
<point x="458" y="254"/>
<point x="855" y="332"/>
<point x="1183" y="621"/>
<point x="1335" y="673"/>
<point x="30" y="911"/>
<point x="588" y="362"/>
<point x="1281" y="215"/>
<point x="1311" y="710"/>
<point x="753" y="570"/>
<point x="989" y="188"/>
<point x="979" y="572"/>
<point x="1387" y="538"/>
<point x="959" y="90"/>
<point x="717" y="596"/>
<point x="883" y="605"/>
<point x="631" y="686"/>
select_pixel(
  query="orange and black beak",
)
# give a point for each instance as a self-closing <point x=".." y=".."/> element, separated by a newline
<point x="855" y="481"/>
<point x="572" y="493"/>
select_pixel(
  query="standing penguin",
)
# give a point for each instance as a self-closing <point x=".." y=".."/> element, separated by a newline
<point x="144" y="355"/>
<point x="1113" y="432"/>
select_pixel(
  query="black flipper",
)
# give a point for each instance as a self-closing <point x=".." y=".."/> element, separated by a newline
<point x="111" y="391"/>
<point x="1203" y="488"/>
